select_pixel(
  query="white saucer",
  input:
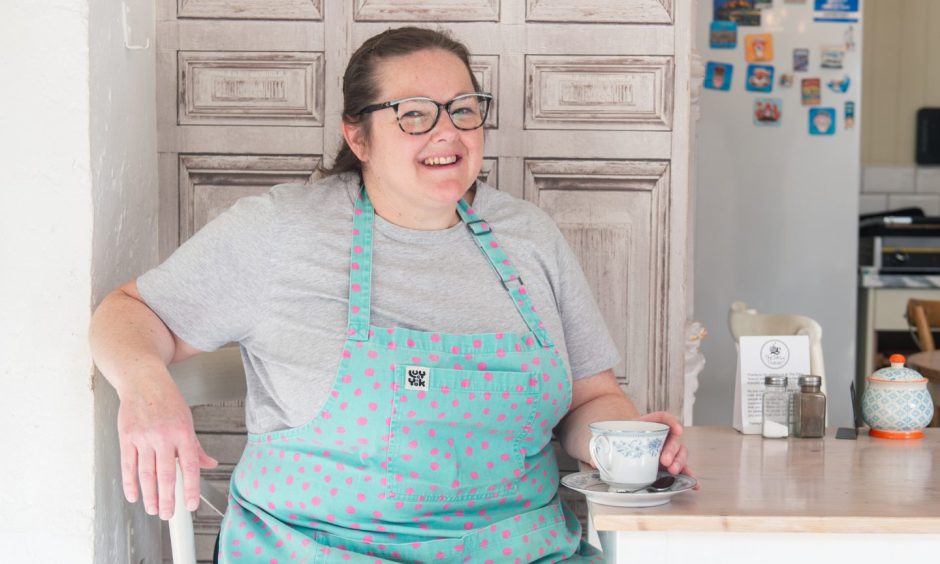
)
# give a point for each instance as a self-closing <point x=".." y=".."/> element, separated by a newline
<point x="590" y="484"/>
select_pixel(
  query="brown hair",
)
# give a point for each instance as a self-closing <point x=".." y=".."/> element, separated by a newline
<point x="360" y="86"/>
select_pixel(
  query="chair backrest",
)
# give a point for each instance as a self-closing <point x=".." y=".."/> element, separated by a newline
<point x="211" y="377"/>
<point x="923" y="315"/>
<point x="203" y="379"/>
<point x="745" y="321"/>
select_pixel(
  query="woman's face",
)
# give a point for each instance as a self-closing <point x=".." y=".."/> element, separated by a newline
<point x="398" y="165"/>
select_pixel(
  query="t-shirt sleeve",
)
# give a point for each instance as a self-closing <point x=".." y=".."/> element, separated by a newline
<point x="590" y="347"/>
<point x="210" y="291"/>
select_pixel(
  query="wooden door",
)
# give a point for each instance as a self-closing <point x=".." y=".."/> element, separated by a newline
<point x="591" y="123"/>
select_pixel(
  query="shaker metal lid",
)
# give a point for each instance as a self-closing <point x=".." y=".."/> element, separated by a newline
<point x="775" y="380"/>
<point x="896" y="372"/>
<point x="810" y="380"/>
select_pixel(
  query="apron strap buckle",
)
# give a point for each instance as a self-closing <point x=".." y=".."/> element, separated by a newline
<point x="479" y="227"/>
<point x="512" y="278"/>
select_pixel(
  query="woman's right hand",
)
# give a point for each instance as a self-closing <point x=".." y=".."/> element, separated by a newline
<point x="155" y="427"/>
<point x="132" y="347"/>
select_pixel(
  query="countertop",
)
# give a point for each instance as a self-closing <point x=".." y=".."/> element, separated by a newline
<point x="869" y="277"/>
<point x="752" y="484"/>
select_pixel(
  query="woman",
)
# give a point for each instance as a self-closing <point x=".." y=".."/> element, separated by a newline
<point x="400" y="407"/>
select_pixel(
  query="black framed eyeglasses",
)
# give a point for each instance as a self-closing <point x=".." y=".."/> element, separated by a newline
<point x="418" y="114"/>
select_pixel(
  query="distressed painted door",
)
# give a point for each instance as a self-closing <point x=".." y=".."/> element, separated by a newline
<point x="592" y="123"/>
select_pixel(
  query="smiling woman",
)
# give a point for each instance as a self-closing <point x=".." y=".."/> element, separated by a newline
<point x="404" y="383"/>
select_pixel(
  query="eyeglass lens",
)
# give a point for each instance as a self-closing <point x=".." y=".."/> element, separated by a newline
<point x="419" y="116"/>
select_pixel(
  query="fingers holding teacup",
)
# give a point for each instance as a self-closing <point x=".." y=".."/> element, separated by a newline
<point x="674" y="455"/>
<point x="627" y="453"/>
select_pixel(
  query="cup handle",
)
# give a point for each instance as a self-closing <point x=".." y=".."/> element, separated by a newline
<point x="594" y="447"/>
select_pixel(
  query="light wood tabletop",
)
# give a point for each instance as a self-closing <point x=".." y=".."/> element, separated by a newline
<point x="927" y="363"/>
<point x="752" y="484"/>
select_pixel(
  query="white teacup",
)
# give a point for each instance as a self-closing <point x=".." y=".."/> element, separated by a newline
<point x="627" y="452"/>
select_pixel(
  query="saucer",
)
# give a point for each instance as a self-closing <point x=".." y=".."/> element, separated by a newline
<point x="591" y="485"/>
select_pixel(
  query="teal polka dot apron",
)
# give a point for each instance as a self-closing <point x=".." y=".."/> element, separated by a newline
<point x="430" y="447"/>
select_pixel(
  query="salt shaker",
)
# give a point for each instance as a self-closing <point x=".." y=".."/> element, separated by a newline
<point x="809" y="408"/>
<point x="776" y="407"/>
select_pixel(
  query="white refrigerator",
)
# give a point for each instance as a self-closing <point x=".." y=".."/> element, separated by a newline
<point x="777" y="181"/>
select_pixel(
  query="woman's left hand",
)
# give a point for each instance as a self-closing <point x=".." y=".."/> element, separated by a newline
<point x="674" y="457"/>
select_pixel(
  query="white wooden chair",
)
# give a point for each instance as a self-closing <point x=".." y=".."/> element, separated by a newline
<point x="745" y="321"/>
<point x="203" y="379"/>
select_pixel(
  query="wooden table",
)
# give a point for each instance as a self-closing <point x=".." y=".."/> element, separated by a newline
<point x="788" y="500"/>
<point x="928" y="364"/>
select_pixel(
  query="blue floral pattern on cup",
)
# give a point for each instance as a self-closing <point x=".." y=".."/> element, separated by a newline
<point x="636" y="448"/>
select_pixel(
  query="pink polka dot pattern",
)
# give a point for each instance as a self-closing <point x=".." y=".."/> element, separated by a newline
<point x="430" y="447"/>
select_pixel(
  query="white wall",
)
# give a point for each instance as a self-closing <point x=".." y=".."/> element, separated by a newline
<point x="47" y="490"/>
<point x="776" y="225"/>
<point x="77" y="212"/>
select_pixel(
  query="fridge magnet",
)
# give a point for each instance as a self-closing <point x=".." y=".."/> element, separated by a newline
<point x="724" y="35"/>
<point x="760" y="78"/>
<point x="810" y="92"/>
<point x="836" y="11"/>
<point x="849" y="38"/>
<point x="741" y="12"/>
<point x="839" y="85"/>
<point x="800" y="60"/>
<point x="718" y="75"/>
<point x="822" y="121"/>
<point x="767" y="111"/>
<point x="832" y="57"/>
<point x="849" y="115"/>
<point x="786" y="80"/>
<point x="759" y="47"/>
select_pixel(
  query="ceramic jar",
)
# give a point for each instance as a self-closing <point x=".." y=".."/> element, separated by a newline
<point x="896" y="403"/>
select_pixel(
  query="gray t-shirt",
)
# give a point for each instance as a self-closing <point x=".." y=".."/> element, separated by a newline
<point x="271" y="273"/>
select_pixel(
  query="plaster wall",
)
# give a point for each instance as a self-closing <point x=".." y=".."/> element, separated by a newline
<point x="124" y="195"/>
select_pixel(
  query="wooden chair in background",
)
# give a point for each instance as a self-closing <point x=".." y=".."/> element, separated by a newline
<point x="923" y="316"/>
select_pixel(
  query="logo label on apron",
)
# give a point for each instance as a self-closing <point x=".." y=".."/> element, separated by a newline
<point x="417" y="378"/>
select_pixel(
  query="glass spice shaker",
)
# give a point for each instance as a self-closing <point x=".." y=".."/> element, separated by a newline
<point x="776" y="406"/>
<point x="809" y="408"/>
<point x="793" y="396"/>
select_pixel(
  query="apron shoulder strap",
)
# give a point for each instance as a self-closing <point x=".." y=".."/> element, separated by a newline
<point x="512" y="282"/>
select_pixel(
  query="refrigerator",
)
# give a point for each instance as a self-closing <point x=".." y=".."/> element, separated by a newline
<point x="777" y="165"/>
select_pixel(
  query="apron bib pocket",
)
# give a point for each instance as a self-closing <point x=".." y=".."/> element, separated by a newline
<point x="459" y="434"/>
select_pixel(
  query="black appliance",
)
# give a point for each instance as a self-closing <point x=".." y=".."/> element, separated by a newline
<point x="900" y="242"/>
<point x="928" y="136"/>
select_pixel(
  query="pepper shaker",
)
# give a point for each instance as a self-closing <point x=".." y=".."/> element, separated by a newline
<point x="809" y="408"/>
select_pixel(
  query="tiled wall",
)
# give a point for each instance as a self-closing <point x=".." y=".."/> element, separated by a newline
<point x="892" y="187"/>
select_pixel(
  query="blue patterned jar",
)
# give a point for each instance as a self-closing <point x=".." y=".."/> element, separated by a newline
<point x="896" y="403"/>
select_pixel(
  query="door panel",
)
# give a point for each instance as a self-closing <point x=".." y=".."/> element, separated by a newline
<point x="600" y="11"/>
<point x="224" y="88"/>
<point x="209" y="184"/>
<point x="252" y="9"/>
<point x="566" y="92"/>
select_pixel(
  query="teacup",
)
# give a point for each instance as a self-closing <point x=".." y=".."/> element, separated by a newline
<point x="627" y="452"/>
